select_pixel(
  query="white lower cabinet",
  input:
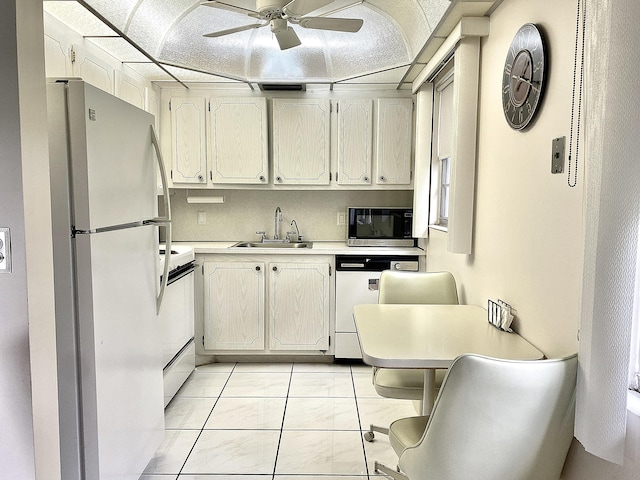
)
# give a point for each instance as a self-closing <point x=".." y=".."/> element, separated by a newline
<point x="234" y="305"/>
<point x="299" y="306"/>
<point x="286" y="300"/>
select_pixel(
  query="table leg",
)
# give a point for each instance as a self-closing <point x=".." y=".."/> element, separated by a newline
<point x="429" y="393"/>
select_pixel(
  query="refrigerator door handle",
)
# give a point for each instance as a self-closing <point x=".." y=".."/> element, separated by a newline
<point x="163" y="221"/>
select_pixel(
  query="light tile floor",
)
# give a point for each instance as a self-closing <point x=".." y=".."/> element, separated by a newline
<point x="283" y="421"/>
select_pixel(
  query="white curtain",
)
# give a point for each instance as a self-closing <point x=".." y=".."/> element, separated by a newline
<point x="611" y="161"/>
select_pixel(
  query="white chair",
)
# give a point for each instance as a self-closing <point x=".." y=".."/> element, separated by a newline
<point x="409" y="288"/>
<point x="493" y="419"/>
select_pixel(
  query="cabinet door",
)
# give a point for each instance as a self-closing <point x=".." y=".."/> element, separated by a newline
<point x="394" y="126"/>
<point x="299" y="306"/>
<point x="129" y="89"/>
<point x="238" y="136"/>
<point x="92" y="69"/>
<point x="56" y="59"/>
<point x="355" y="126"/>
<point x="234" y="305"/>
<point x="301" y="145"/>
<point x="188" y="140"/>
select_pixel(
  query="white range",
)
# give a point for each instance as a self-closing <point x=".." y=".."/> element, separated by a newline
<point x="177" y="319"/>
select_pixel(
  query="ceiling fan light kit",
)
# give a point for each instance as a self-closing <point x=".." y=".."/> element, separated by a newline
<point x="279" y="13"/>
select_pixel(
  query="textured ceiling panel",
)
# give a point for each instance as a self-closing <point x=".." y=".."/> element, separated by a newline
<point x="377" y="46"/>
<point x="409" y="18"/>
<point x="269" y="63"/>
<point x="153" y="19"/>
<point x="226" y="54"/>
<point x="171" y="31"/>
<point x="117" y="12"/>
<point x="77" y="17"/>
<point x="120" y="49"/>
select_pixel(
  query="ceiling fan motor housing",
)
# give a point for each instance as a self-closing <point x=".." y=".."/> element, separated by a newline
<point x="269" y="8"/>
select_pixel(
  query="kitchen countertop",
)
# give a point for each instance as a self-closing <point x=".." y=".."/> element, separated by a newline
<point x="318" y="248"/>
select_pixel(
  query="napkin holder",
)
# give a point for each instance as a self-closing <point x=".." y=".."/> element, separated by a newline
<point x="500" y="315"/>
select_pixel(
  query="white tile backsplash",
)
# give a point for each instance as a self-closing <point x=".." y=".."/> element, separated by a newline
<point x="246" y="211"/>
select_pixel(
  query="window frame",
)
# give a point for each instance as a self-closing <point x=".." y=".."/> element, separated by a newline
<point x="441" y="163"/>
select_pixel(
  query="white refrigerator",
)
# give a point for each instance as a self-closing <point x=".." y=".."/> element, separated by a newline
<point x="105" y="234"/>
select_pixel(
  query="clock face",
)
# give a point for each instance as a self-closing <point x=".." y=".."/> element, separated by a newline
<point x="523" y="76"/>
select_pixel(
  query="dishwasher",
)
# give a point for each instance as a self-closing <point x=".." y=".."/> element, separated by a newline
<point x="357" y="278"/>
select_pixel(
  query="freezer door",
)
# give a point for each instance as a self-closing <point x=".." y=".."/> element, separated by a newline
<point x="112" y="159"/>
<point x="121" y="364"/>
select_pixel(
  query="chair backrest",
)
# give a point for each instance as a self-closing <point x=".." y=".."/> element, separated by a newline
<point x="498" y="419"/>
<point x="417" y="287"/>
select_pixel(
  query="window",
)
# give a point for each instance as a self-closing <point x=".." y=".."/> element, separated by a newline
<point x="442" y="149"/>
<point x="445" y="184"/>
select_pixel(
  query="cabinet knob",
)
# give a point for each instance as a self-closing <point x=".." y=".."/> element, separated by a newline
<point x="275" y="269"/>
<point x="262" y="178"/>
<point x="279" y="179"/>
<point x="383" y="178"/>
<point x="365" y="178"/>
<point x="200" y="178"/>
<point x="258" y="268"/>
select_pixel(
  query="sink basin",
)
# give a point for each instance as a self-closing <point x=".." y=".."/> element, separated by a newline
<point x="273" y="245"/>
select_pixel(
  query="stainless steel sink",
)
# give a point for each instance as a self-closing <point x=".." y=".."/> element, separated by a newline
<point x="273" y="244"/>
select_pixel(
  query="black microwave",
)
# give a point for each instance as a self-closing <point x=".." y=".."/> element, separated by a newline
<point x="380" y="227"/>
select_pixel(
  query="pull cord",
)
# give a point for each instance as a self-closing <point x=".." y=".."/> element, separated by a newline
<point x="572" y="182"/>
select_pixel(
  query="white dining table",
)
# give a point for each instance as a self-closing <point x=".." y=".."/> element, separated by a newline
<point x="430" y="337"/>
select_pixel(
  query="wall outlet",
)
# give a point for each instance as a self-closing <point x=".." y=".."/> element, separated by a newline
<point x="341" y="218"/>
<point x="5" y="250"/>
<point x="557" y="154"/>
<point x="202" y="218"/>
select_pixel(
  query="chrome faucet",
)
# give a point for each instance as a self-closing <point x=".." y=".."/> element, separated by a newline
<point x="277" y="218"/>
<point x="297" y="236"/>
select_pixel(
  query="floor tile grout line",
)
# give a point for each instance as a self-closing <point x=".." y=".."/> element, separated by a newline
<point x="205" y="422"/>
<point x="364" y="450"/>
<point x="284" y="414"/>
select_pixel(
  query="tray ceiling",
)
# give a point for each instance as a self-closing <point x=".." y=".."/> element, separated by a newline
<point x="163" y="40"/>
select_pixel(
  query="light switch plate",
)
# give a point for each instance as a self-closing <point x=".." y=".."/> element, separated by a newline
<point x="557" y="154"/>
<point x="5" y="250"/>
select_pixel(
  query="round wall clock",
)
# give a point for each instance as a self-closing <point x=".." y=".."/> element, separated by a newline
<point x="523" y="76"/>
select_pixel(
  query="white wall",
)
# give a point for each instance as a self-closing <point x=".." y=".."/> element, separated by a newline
<point x="28" y="442"/>
<point x="528" y="232"/>
<point x="527" y="244"/>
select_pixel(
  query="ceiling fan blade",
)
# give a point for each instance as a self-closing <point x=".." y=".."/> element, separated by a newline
<point x="287" y="39"/>
<point x="298" y="8"/>
<point x="337" y="24"/>
<point x="229" y="7"/>
<point x="234" y="30"/>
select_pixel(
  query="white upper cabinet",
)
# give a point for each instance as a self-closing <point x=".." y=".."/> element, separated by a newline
<point x="56" y="54"/>
<point x="188" y="140"/>
<point x="301" y="141"/>
<point x="394" y="128"/>
<point x="92" y="69"/>
<point x="129" y="89"/>
<point x="354" y="141"/>
<point x="238" y="132"/>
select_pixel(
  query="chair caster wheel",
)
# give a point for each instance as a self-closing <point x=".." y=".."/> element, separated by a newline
<point x="369" y="436"/>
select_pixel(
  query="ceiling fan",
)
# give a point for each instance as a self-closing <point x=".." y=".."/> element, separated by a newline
<point x="279" y="13"/>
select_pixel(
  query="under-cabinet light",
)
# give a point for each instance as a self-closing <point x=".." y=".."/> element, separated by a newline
<point x="203" y="199"/>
